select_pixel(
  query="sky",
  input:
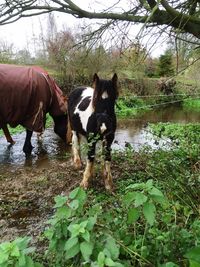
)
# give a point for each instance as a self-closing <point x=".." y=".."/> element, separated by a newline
<point x="21" y="33"/>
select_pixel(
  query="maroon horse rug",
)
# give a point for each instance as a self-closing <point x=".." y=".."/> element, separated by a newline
<point x="27" y="94"/>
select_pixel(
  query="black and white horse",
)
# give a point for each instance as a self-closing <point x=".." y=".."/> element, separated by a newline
<point x="92" y="114"/>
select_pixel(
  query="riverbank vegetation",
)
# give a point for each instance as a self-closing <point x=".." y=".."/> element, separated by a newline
<point x="152" y="218"/>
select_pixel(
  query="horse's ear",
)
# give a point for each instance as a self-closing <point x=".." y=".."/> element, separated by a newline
<point x="114" y="79"/>
<point x="95" y="78"/>
<point x="94" y="85"/>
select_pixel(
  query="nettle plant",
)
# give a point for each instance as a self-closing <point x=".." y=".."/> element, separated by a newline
<point x="141" y="199"/>
<point x="16" y="253"/>
<point x="73" y="238"/>
<point x="120" y="231"/>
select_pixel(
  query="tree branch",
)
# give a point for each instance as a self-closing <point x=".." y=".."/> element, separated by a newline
<point x="147" y="12"/>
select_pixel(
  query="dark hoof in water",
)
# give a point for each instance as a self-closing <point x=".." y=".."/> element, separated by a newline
<point x="27" y="150"/>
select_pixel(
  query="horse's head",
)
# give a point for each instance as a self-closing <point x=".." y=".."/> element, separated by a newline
<point x="105" y="94"/>
<point x="60" y="126"/>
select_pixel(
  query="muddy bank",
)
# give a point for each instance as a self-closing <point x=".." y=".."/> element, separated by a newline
<point x="27" y="193"/>
<point x="26" y="196"/>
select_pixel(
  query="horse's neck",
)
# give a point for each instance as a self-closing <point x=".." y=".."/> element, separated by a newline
<point x="105" y="107"/>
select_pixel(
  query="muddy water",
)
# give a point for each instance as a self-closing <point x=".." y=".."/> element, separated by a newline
<point x="130" y="131"/>
<point x="49" y="146"/>
<point x="136" y="131"/>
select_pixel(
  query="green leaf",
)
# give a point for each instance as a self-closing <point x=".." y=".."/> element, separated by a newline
<point x="193" y="254"/>
<point x="49" y="233"/>
<point x="74" y="204"/>
<point x="73" y="251"/>
<point x="86" y="236"/>
<point x="101" y="259"/>
<point x="149" y="212"/>
<point x="91" y="222"/>
<point x="140" y="199"/>
<point x="70" y="243"/>
<point x="156" y="192"/>
<point x="157" y="195"/>
<point x="169" y="264"/>
<point x="37" y="264"/>
<point x="84" y="223"/>
<point x="194" y="263"/>
<point x="109" y="262"/>
<point x="63" y="213"/>
<point x="30" y="263"/>
<point x="86" y="250"/>
<point x="149" y="184"/>
<point x="22" y="242"/>
<point x="22" y="260"/>
<point x="112" y="247"/>
<point x="3" y="257"/>
<point x="129" y="198"/>
<point x="79" y="194"/>
<point x="133" y="215"/>
<point x="74" y="229"/>
<point x="15" y="251"/>
<point x="136" y="186"/>
<point x="60" y="201"/>
<point x="117" y="264"/>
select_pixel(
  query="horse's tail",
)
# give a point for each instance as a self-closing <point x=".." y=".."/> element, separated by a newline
<point x="69" y="132"/>
<point x="69" y="129"/>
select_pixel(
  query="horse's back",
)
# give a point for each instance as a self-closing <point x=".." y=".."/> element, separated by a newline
<point x="79" y="99"/>
<point x="24" y="92"/>
<point x="79" y="108"/>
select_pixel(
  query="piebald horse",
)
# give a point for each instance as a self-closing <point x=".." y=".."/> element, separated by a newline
<point x="91" y="114"/>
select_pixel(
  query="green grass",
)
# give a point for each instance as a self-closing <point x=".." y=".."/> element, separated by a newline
<point x="130" y="106"/>
<point x="193" y="104"/>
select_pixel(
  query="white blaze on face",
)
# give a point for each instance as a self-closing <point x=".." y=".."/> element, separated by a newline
<point x="85" y="114"/>
<point x="103" y="128"/>
<point x="105" y="95"/>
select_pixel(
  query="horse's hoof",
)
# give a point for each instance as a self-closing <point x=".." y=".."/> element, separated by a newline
<point x="84" y="185"/>
<point x="12" y="142"/>
<point x="109" y="186"/>
<point x="27" y="150"/>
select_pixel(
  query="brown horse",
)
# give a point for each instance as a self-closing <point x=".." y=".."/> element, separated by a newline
<point x="27" y="94"/>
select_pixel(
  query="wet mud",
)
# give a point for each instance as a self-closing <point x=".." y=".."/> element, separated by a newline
<point x="28" y="185"/>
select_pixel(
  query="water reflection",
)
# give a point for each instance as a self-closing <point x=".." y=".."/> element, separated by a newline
<point x="136" y="132"/>
<point x="130" y="131"/>
<point x="49" y="147"/>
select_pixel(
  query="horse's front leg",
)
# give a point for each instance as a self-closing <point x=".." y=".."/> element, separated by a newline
<point x="27" y="148"/>
<point x="76" y="150"/>
<point x="89" y="169"/>
<point x="107" y="142"/>
<point x="7" y="135"/>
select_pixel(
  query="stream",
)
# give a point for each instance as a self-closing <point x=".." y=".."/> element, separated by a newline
<point x="129" y="131"/>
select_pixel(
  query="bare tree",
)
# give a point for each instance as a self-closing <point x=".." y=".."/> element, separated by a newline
<point x="183" y="16"/>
